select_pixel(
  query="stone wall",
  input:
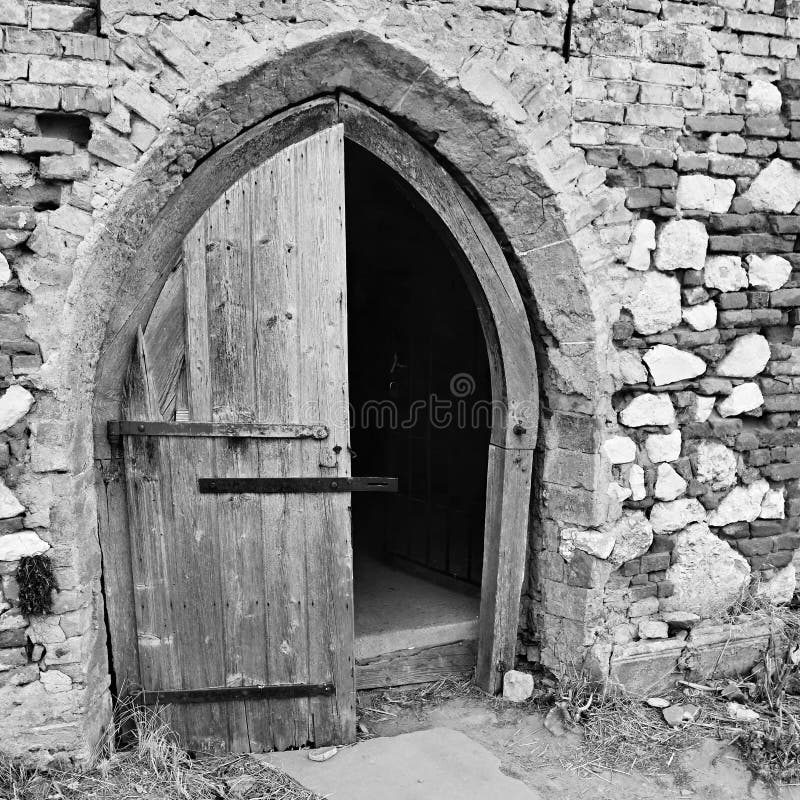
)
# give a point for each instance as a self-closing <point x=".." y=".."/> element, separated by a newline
<point x="646" y="192"/>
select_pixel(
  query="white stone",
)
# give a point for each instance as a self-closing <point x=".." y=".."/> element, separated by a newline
<point x="781" y="587"/>
<point x="46" y="630"/>
<point x="654" y="301"/>
<point x="669" y="485"/>
<point x="725" y="273"/>
<point x="619" y="449"/>
<point x="703" y="407"/>
<point x="773" y="506"/>
<point x="566" y="545"/>
<point x="744" y="397"/>
<point x="768" y="273"/>
<point x="596" y="543"/>
<point x="741" y="504"/>
<point x="667" y="517"/>
<point x="715" y="465"/>
<point x="636" y="482"/>
<point x="9" y="505"/>
<point x="669" y="364"/>
<point x="55" y="681"/>
<point x="5" y="270"/>
<point x="14" y="405"/>
<point x="706" y="194"/>
<point x="748" y="356"/>
<point x="618" y="493"/>
<point x="517" y="686"/>
<point x="631" y="368"/>
<point x="701" y="317"/>
<point x="13" y="546"/>
<point x="776" y="188"/>
<point x="682" y="244"/>
<point x="707" y="573"/>
<point x="643" y="240"/>
<point x="763" y="98"/>
<point x="633" y="535"/>
<point x="663" y="446"/>
<point x="648" y="409"/>
<point x="653" y="629"/>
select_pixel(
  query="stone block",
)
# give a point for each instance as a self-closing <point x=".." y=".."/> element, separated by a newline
<point x="150" y="106"/>
<point x="33" y="95"/>
<point x="645" y="667"/>
<point x="13" y="12"/>
<point x="64" y="168"/>
<point x="86" y="98"/>
<point x="84" y="46"/>
<point x="107" y="145"/>
<point x="13" y="66"/>
<point x="62" y="72"/>
<point x="22" y="40"/>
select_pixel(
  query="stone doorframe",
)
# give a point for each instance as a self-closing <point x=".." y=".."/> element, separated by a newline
<point x="473" y="158"/>
<point x="500" y="308"/>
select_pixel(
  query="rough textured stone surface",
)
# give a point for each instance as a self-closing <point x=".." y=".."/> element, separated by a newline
<point x="631" y="368"/>
<point x="744" y="397"/>
<point x="648" y="409"/>
<point x="670" y="365"/>
<point x="596" y="543"/>
<point x="619" y="449"/>
<point x="725" y="273"/>
<point x="14" y="546"/>
<point x="748" y="356"/>
<point x="769" y="273"/>
<point x="675" y="515"/>
<point x="633" y="535"/>
<point x="763" y="98"/>
<point x="643" y="241"/>
<point x="14" y="405"/>
<point x="663" y="446"/>
<point x="669" y="485"/>
<point x="776" y="188"/>
<point x="653" y="629"/>
<point x="706" y="194"/>
<point x="773" y="506"/>
<point x="701" y="317"/>
<point x="654" y="301"/>
<point x="636" y="482"/>
<point x="741" y="504"/>
<point x="682" y="245"/>
<point x="781" y="587"/>
<point x="715" y="464"/>
<point x="708" y="574"/>
<point x="517" y="686"/>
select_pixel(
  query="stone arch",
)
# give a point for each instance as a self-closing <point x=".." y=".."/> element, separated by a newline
<point x="118" y="277"/>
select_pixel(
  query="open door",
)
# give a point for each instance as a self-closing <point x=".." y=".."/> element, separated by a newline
<point x="235" y="437"/>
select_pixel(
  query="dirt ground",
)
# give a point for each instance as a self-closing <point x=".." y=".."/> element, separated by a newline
<point x="557" y="766"/>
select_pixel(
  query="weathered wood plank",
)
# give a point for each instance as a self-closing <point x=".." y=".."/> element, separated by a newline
<point x="417" y="665"/>
<point x="237" y="524"/>
<point x="164" y="340"/>
<point x="144" y="469"/>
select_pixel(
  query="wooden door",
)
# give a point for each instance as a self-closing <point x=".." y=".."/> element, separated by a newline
<point x="244" y="600"/>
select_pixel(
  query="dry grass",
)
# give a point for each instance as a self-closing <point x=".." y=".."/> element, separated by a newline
<point x="151" y="765"/>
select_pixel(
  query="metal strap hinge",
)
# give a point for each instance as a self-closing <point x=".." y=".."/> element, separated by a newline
<point x="294" y="485"/>
<point x="217" y="694"/>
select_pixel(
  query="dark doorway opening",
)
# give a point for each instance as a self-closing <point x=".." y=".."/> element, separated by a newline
<point x="420" y="410"/>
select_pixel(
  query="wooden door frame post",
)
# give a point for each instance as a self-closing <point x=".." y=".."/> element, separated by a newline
<point x="503" y="318"/>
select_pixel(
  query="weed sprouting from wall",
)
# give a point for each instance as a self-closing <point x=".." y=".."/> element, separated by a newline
<point x="36" y="585"/>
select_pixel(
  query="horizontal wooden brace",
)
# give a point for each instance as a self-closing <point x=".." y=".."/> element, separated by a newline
<point x="216" y="694"/>
<point x="240" y="430"/>
<point x="294" y="485"/>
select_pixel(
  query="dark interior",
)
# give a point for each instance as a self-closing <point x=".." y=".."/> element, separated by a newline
<point x="419" y="383"/>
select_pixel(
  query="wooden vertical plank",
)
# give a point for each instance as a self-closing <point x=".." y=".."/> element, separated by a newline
<point x="238" y="527"/>
<point x="198" y="379"/>
<point x="277" y="356"/>
<point x="144" y="469"/>
<point x="164" y="340"/>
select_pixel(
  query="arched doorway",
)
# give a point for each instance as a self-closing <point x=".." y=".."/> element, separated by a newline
<point x="503" y="321"/>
